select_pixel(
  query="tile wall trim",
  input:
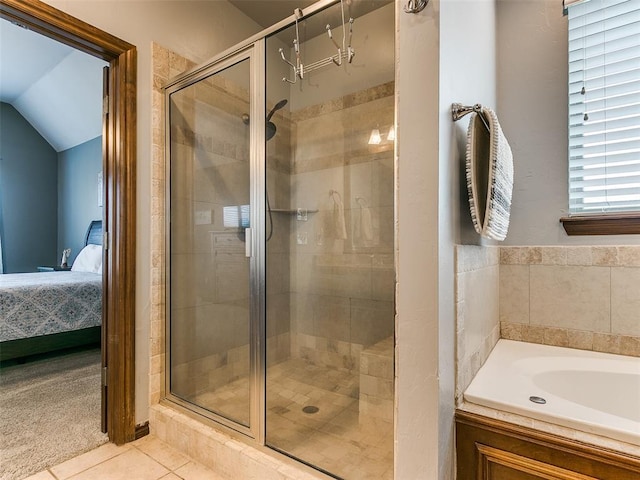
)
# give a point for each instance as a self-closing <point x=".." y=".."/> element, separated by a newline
<point x="622" y="261"/>
<point x="601" y="256"/>
<point x="571" y="338"/>
<point x="347" y="101"/>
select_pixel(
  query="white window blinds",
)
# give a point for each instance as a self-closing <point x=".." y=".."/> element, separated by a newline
<point x="604" y="106"/>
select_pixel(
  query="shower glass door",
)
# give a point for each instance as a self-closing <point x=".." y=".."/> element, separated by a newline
<point x="330" y="240"/>
<point x="211" y="365"/>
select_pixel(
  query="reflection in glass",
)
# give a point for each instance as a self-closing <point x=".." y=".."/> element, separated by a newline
<point x="209" y="289"/>
<point x="330" y="269"/>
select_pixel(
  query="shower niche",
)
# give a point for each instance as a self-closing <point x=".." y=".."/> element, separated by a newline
<point x="280" y="293"/>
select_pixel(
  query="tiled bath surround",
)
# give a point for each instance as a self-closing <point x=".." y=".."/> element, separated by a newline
<point x="585" y="297"/>
<point x="477" y="306"/>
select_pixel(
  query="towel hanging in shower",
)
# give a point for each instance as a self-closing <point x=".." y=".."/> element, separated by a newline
<point x="489" y="168"/>
<point x="366" y="224"/>
<point x="338" y="215"/>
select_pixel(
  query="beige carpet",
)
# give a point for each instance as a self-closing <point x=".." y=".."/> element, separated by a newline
<point x="49" y="412"/>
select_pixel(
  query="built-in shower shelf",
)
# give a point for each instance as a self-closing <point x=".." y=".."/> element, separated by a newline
<point x="292" y="212"/>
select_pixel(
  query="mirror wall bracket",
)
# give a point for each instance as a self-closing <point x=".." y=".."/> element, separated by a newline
<point x="415" y="6"/>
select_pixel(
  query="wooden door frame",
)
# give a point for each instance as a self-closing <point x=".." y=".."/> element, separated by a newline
<point x="119" y="164"/>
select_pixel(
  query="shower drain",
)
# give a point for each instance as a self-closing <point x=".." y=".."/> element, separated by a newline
<point x="310" y="409"/>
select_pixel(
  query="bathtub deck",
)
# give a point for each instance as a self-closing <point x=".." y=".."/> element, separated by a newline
<point x="516" y="371"/>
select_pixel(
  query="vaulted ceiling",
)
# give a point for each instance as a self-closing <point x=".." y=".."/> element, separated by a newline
<point x="56" y="88"/>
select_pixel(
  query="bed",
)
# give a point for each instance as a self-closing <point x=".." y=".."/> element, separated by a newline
<point x="48" y="311"/>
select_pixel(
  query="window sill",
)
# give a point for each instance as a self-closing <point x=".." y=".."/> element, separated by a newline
<point x="612" y="224"/>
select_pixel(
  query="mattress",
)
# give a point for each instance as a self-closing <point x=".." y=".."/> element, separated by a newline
<point x="34" y="304"/>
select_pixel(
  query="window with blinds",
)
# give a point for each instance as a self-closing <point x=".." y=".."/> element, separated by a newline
<point x="604" y="106"/>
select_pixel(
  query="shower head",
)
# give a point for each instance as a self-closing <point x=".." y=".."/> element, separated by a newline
<point x="276" y="107"/>
<point x="270" y="127"/>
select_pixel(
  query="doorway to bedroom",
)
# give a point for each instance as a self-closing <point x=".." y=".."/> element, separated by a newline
<point x="112" y="213"/>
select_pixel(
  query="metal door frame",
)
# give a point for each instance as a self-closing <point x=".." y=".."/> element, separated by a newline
<point x="253" y="48"/>
<point x="255" y="54"/>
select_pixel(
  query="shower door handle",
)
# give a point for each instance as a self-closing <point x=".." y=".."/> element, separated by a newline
<point x="248" y="242"/>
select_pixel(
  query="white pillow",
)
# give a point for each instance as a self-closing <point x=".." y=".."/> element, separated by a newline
<point x="88" y="260"/>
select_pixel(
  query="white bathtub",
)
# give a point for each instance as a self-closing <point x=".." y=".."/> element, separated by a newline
<point x="592" y="392"/>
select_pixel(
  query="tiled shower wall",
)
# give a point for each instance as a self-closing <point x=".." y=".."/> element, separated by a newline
<point x="477" y="305"/>
<point x="579" y="297"/>
<point x="342" y="282"/>
<point x="166" y="65"/>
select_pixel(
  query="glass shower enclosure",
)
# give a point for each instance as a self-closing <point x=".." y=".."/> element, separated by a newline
<point x="280" y="282"/>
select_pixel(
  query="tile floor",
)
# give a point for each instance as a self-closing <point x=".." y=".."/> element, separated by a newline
<point x="337" y="437"/>
<point x="145" y="459"/>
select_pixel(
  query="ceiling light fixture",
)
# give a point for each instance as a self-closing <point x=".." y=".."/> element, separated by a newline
<point x="375" y="138"/>
<point x="391" y="136"/>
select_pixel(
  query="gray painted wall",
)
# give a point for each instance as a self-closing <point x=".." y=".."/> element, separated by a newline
<point x="78" y="169"/>
<point x="29" y="191"/>
<point x="467" y="74"/>
<point x="532" y="107"/>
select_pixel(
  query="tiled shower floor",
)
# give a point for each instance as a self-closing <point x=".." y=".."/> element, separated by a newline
<point x="337" y="438"/>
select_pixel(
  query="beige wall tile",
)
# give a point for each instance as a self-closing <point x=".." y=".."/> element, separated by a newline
<point x="480" y="307"/>
<point x="477" y="310"/>
<point x="625" y="301"/>
<point x="630" y="346"/>
<point x="554" y="255"/>
<point x="580" y="339"/>
<point x="570" y="297"/>
<point x="514" y="293"/>
<point x="629" y="256"/>
<point x="605" y="342"/>
<point x="579" y="256"/>
<point x="513" y="255"/>
<point x="534" y="256"/>
<point x="572" y="306"/>
<point x="558" y="337"/>
<point x="473" y="257"/>
<point x="604" y="256"/>
<point x="520" y="255"/>
<point x="533" y="333"/>
<point x="511" y="331"/>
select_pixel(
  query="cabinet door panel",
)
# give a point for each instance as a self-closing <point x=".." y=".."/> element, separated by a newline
<point x="497" y="464"/>
<point x="502" y="472"/>
<point x="490" y="449"/>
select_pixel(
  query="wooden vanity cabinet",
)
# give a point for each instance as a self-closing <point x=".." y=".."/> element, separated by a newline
<point x="489" y="449"/>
